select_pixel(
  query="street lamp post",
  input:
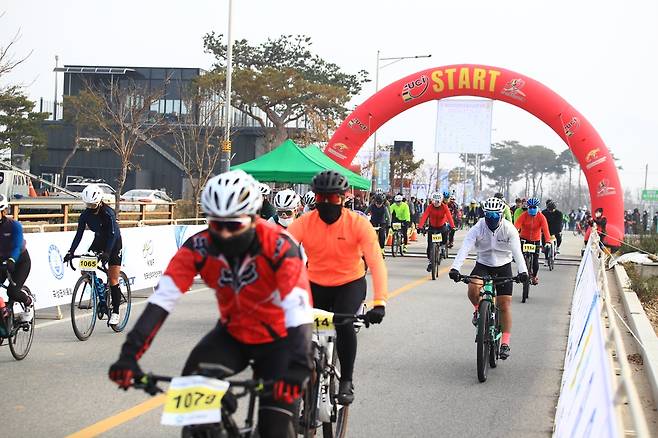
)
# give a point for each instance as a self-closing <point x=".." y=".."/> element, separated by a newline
<point x="225" y="156"/>
<point x="393" y="60"/>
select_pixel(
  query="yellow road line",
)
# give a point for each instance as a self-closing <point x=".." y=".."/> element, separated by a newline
<point x="120" y="418"/>
<point x="155" y="402"/>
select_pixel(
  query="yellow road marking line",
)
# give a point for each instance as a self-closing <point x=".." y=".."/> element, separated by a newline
<point x="147" y="406"/>
<point x="120" y="418"/>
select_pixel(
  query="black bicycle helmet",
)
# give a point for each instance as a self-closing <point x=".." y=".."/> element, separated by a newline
<point x="329" y="181"/>
<point x="498" y="195"/>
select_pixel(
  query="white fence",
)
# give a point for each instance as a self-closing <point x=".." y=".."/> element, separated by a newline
<point x="592" y="397"/>
<point x="146" y="253"/>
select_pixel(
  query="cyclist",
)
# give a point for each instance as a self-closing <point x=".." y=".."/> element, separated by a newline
<point x="439" y="220"/>
<point x="101" y="219"/>
<point x="335" y="239"/>
<point x="309" y="201"/>
<point x="286" y="203"/>
<point x="262" y="292"/>
<point x="380" y="216"/>
<point x="531" y="225"/>
<point x="520" y="209"/>
<point x="15" y="260"/>
<point x="400" y="213"/>
<point x="456" y="213"/>
<point x="555" y="221"/>
<point x="496" y="242"/>
<point x="472" y="213"/>
<point x="267" y="211"/>
<point x="507" y="213"/>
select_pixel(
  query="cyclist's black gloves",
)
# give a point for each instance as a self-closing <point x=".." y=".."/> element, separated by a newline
<point x="376" y="314"/>
<point x="289" y="388"/>
<point x="104" y="257"/>
<point x="123" y="371"/>
<point x="68" y="257"/>
<point x="522" y="277"/>
<point x="455" y="275"/>
<point x="11" y="265"/>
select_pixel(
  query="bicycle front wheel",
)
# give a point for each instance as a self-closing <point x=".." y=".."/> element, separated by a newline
<point x="551" y="259"/>
<point x="482" y="340"/>
<point x="125" y="303"/>
<point x="83" y="307"/>
<point x="433" y="261"/>
<point x="21" y="340"/>
<point x="339" y="428"/>
<point x="495" y="342"/>
<point x="394" y="244"/>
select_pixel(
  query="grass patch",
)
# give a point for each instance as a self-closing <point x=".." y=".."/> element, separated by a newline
<point x="645" y="288"/>
<point x="647" y="243"/>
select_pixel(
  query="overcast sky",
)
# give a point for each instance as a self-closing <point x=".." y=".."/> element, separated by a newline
<point x="598" y="55"/>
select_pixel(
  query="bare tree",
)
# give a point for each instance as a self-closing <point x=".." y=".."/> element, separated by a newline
<point x="8" y="59"/>
<point x="121" y="113"/>
<point x="196" y="141"/>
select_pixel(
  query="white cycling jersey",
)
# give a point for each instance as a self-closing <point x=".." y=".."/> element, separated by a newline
<point x="494" y="249"/>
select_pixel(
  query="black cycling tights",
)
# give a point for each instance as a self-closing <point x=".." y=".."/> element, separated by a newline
<point x="20" y="274"/>
<point x="270" y="362"/>
<point x="342" y="299"/>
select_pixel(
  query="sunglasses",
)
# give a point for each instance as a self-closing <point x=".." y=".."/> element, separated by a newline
<point x="492" y="215"/>
<point x="332" y="198"/>
<point x="285" y="213"/>
<point x="229" y="224"/>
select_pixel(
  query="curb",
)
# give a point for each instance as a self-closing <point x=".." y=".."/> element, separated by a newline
<point x="644" y="331"/>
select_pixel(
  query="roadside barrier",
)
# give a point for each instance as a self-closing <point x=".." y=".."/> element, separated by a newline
<point x="597" y="388"/>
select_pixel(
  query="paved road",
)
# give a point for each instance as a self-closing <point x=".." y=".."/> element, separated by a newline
<point x="415" y="373"/>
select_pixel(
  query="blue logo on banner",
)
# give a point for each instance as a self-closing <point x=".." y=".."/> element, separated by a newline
<point x="179" y="232"/>
<point x="55" y="262"/>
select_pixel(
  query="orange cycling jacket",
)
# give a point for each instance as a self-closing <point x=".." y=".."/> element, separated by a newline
<point x="531" y="227"/>
<point x="334" y="251"/>
<point x="438" y="216"/>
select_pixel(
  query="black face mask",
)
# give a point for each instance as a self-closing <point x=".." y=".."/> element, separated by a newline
<point x="329" y="213"/>
<point x="236" y="245"/>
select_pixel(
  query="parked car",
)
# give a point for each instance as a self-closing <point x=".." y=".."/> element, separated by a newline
<point x="146" y="196"/>
<point x="108" y="191"/>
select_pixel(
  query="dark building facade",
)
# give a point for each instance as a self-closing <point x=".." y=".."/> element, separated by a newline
<point x="156" y="165"/>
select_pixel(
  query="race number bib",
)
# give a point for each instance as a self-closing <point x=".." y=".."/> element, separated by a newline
<point x="396" y="226"/>
<point x="88" y="264"/>
<point x="437" y="238"/>
<point x="529" y="247"/>
<point x="193" y="400"/>
<point x="323" y="321"/>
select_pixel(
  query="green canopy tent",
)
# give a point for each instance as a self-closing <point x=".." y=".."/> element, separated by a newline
<point x="290" y="163"/>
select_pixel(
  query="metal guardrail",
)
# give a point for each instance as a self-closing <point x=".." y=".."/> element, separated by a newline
<point x="625" y="392"/>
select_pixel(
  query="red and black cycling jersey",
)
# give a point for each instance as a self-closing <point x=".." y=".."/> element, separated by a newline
<point x="259" y="296"/>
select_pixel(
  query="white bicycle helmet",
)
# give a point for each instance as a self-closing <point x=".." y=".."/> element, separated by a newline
<point x="92" y="195"/>
<point x="286" y="200"/>
<point x="437" y="196"/>
<point x="397" y="198"/>
<point x="4" y="202"/>
<point x="309" y="199"/>
<point x="264" y="189"/>
<point x="493" y="204"/>
<point x="231" y="194"/>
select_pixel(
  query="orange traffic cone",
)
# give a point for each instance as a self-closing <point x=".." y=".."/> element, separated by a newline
<point x="389" y="239"/>
<point x="30" y="190"/>
<point x="413" y="236"/>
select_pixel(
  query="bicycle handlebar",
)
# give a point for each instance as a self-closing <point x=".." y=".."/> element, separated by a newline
<point x="103" y="267"/>
<point x="149" y="384"/>
<point x="486" y="278"/>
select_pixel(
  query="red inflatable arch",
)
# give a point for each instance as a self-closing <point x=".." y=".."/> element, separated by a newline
<point x="499" y="84"/>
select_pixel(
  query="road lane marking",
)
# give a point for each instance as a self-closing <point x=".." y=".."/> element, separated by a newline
<point x="120" y="418"/>
<point x="147" y="406"/>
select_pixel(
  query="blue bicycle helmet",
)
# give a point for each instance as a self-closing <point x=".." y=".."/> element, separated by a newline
<point x="533" y="202"/>
<point x="446" y="195"/>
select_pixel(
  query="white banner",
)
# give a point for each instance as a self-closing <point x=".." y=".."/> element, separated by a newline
<point x="463" y="126"/>
<point x="146" y="254"/>
<point x="586" y="406"/>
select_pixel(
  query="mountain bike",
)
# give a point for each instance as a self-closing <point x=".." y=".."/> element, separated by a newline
<point x="550" y="253"/>
<point x="397" y="240"/>
<point x="489" y="328"/>
<point x="18" y="333"/>
<point x="319" y="407"/>
<point x="92" y="298"/>
<point x="529" y="253"/>
<point x="204" y="404"/>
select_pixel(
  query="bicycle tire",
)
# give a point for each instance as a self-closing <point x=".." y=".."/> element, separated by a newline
<point x="20" y="353"/>
<point x="203" y="431"/>
<point x="434" y="266"/>
<point x="394" y="243"/>
<point x="551" y="259"/>
<point x="526" y="284"/>
<point x="400" y="244"/>
<point x="308" y="417"/>
<point x="126" y="298"/>
<point x="440" y="257"/>
<point x="495" y="343"/>
<point x="339" y="428"/>
<point x="80" y="297"/>
<point x="482" y="340"/>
